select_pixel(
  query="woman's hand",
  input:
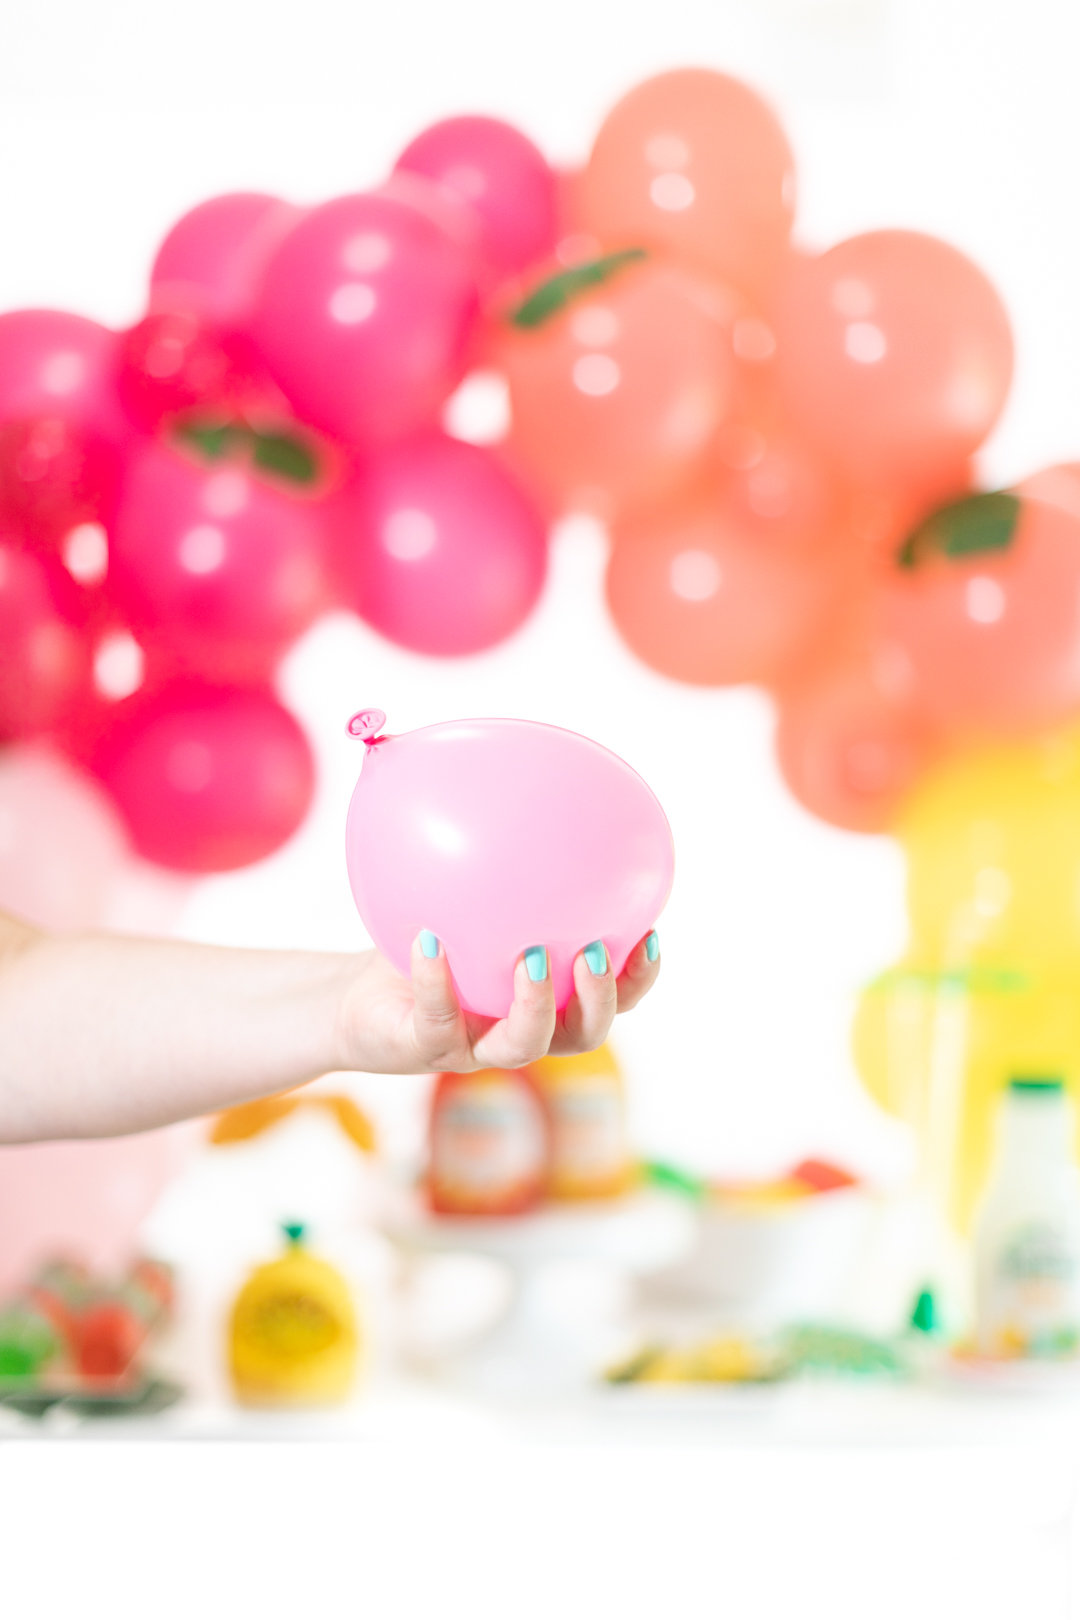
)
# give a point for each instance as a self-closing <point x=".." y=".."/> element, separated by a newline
<point x="390" y="1025"/>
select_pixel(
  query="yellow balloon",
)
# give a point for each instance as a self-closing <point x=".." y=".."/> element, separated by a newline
<point x="989" y="988"/>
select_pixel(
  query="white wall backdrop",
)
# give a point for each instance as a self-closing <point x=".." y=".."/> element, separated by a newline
<point x="954" y="116"/>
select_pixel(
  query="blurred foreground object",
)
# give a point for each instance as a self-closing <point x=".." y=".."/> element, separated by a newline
<point x="293" y="1334"/>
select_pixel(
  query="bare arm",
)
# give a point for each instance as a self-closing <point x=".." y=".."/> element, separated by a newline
<point x="102" y="1035"/>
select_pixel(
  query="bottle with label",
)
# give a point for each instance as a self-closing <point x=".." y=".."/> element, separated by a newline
<point x="1027" y="1240"/>
<point x="489" y="1143"/>
<point x="586" y="1100"/>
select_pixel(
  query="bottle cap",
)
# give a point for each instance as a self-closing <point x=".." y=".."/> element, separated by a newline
<point x="1037" y="1083"/>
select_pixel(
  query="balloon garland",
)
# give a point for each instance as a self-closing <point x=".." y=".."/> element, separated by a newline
<point x="780" y="444"/>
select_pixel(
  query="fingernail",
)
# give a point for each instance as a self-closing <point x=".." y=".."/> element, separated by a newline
<point x="536" y="963"/>
<point x="652" y="946"/>
<point x="596" y="956"/>
<point x="428" y="943"/>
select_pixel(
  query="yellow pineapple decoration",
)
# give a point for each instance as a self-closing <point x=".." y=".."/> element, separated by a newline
<point x="293" y="1333"/>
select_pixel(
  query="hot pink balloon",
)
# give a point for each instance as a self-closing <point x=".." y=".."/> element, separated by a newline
<point x="364" y="314"/>
<point x="62" y="427"/>
<point x="218" y="561"/>
<point x="212" y="258"/>
<point x="498" y="835"/>
<point x="440" y="549"/>
<point x="43" y="658"/>
<point x="207" y="778"/>
<point x="894" y="357"/>
<point x="501" y="176"/>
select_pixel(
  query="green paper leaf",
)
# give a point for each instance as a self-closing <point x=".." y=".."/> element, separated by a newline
<point x="553" y="295"/>
<point x="214" y="440"/>
<point x="290" y="458"/>
<point x="964" y="529"/>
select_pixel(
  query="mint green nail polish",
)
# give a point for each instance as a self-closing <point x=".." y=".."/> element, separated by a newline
<point x="428" y="943"/>
<point x="652" y="946"/>
<point x="596" y="956"/>
<point x="536" y="963"/>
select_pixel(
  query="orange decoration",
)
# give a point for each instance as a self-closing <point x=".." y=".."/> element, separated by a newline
<point x="695" y="163"/>
<point x="618" y="392"/>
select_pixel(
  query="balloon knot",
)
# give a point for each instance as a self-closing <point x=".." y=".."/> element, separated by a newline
<point x="366" y="724"/>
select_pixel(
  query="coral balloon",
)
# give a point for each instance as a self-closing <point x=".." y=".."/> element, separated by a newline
<point x="850" y="747"/>
<point x="694" y="162"/>
<point x="62" y="427"/>
<point x="700" y="595"/>
<point x="208" y="779"/>
<point x="499" y="835"/>
<point x="894" y="357"/>
<point x="987" y="612"/>
<point x="364" y="314"/>
<point x="439" y="548"/>
<point x="226" y="567"/>
<point x="43" y="658"/>
<point x="501" y="176"/>
<point x="212" y="259"/>
<point x="618" y="392"/>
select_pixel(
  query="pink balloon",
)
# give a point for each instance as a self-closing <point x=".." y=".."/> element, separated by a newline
<point x="62" y="845"/>
<point x="498" y="173"/>
<point x="211" y="260"/>
<point x="498" y="835"/>
<point x="440" y="549"/>
<point x="208" y="779"/>
<point x="364" y="314"/>
<point x="216" y="560"/>
<point x="83" y="1200"/>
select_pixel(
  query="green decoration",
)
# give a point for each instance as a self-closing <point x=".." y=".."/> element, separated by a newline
<point x="553" y="295"/>
<point x="964" y="529"/>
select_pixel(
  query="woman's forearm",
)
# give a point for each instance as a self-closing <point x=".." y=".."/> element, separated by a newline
<point x="101" y="1035"/>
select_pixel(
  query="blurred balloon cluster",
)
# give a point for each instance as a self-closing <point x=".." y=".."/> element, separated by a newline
<point x="780" y="444"/>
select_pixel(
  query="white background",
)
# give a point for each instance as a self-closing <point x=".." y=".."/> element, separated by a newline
<point x="955" y="116"/>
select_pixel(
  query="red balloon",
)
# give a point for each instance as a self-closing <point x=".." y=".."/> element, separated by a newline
<point x="440" y="549"/>
<point x="62" y="427"/>
<point x="211" y="261"/>
<point x="225" y="567"/>
<point x="499" y="175"/>
<point x="985" y="608"/>
<point x="364" y="314"/>
<point x="700" y="593"/>
<point x="43" y="658"/>
<point x="894" y="357"/>
<point x="850" y="741"/>
<point x="207" y="778"/>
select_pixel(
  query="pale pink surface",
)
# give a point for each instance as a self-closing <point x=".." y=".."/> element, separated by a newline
<point x="894" y="356"/>
<point x="498" y="173"/>
<point x="501" y="834"/>
<point x="439" y="548"/>
<point x="86" y="1200"/>
<point x="53" y="364"/>
<point x="213" y="256"/>
<point x="62" y="843"/>
<point x="363" y="316"/>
